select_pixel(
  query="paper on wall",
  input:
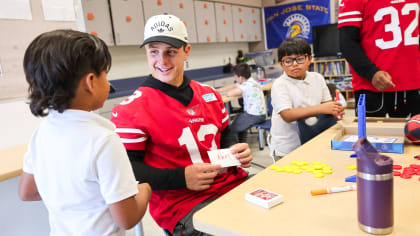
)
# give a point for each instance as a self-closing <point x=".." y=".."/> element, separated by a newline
<point x="62" y="10"/>
<point x="15" y="9"/>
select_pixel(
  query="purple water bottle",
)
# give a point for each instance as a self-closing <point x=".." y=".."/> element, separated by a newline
<point x="375" y="192"/>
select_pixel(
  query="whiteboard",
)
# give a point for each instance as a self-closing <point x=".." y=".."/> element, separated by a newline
<point x="15" y="36"/>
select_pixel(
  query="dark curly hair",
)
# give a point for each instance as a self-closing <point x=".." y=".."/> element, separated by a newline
<point x="54" y="64"/>
<point x="243" y="70"/>
<point x="290" y="46"/>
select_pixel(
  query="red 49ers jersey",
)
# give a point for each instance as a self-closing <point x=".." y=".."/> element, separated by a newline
<point x="389" y="34"/>
<point x="175" y="135"/>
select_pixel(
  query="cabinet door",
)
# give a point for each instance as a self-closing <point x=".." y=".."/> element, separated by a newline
<point x="155" y="7"/>
<point x="97" y="19"/>
<point x="206" y="21"/>
<point x="224" y="24"/>
<point x="128" y="20"/>
<point x="240" y="30"/>
<point x="254" y="23"/>
<point x="184" y="9"/>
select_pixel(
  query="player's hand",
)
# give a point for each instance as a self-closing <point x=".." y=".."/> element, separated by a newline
<point x="382" y="80"/>
<point x="200" y="176"/>
<point x="243" y="153"/>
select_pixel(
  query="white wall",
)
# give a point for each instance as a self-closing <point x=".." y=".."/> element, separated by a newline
<point x="130" y="61"/>
<point x="16" y="123"/>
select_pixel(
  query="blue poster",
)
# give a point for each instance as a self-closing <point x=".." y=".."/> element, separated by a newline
<point x="294" y="20"/>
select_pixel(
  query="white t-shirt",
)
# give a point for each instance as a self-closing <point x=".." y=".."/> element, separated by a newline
<point x="80" y="167"/>
<point x="254" y="102"/>
<point x="288" y="93"/>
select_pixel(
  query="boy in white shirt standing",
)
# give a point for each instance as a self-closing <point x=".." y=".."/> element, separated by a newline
<point x="75" y="162"/>
<point x="255" y="108"/>
<point x="297" y="94"/>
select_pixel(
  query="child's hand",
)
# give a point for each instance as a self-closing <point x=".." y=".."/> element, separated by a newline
<point x="333" y="108"/>
<point x="338" y="111"/>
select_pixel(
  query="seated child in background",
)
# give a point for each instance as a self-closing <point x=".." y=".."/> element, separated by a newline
<point x="75" y="162"/>
<point x="297" y="94"/>
<point x="254" y="102"/>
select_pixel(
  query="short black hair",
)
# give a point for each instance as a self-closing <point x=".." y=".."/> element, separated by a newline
<point x="290" y="46"/>
<point x="54" y="64"/>
<point x="243" y="70"/>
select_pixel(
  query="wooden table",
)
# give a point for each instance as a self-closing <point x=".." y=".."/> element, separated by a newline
<point x="303" y="214"/>
<point x="11" y="162"/>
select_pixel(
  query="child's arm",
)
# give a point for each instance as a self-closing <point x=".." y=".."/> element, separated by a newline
<point x="226" y="88"/>
<point x="293" y="114"/>
<point x="27" y="189"/>
<point x="235" y="92"/>
<point x="128" y="212"/>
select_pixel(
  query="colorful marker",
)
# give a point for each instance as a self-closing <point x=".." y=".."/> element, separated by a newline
<point x="337" y="95"/>
<point x="337" y="99"/>
<point x="333" y="190"/>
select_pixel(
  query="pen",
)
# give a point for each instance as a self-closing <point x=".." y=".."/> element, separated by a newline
<point x="337" y="99"/>
<point x="333" y="190"/>
<point x="337" y="95"/>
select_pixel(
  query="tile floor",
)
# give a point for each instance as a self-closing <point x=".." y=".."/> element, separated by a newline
<point x="261" y="158"/>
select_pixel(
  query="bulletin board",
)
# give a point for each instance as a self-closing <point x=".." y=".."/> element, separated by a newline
<point x="15" y="36"/>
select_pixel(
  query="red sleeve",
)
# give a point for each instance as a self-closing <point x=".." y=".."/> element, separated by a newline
<point x="350" y="13"/>
<point x="132" y="134"/>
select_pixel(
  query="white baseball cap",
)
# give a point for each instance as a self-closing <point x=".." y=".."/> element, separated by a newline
<point x="167" y="29"/>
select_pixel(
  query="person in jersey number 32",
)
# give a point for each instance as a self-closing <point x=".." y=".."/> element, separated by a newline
<point x="380" y="40"/>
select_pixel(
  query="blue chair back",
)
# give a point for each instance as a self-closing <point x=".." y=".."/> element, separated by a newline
<point x="269" y="107"/>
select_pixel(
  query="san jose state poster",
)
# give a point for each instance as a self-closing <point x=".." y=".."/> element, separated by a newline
<point x="294" y="20"/>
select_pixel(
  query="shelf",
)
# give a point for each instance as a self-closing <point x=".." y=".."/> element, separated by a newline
<point x="331" y="60"/>
<point x="332" y="70"/>
<point x="346" y="75"/>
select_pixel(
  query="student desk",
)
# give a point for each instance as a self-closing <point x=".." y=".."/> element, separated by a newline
<point x="303" y="214"/>
<point x="11" y="162"/>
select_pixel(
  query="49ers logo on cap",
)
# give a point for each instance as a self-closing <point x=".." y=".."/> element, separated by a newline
<point x="161" y="26"/>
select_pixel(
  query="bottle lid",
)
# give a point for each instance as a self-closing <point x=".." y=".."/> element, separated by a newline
<point x="370" y="160"/>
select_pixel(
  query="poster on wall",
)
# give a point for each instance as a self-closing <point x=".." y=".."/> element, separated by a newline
<point x="294" y="20"/>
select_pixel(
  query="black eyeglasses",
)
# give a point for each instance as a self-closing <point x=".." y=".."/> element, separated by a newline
<point x="299" y="60"/>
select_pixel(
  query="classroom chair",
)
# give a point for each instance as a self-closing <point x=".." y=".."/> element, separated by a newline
<point x="264" y="126"/>
<point x="138" y="229"/>
<point x="234" y="111"/>
<point x="307" y="130"/>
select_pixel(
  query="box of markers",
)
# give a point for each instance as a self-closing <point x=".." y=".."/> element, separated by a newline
<point x="264" y="198"/>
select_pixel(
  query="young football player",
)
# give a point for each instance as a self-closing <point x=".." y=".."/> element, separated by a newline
<point x="169" y="124"/>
